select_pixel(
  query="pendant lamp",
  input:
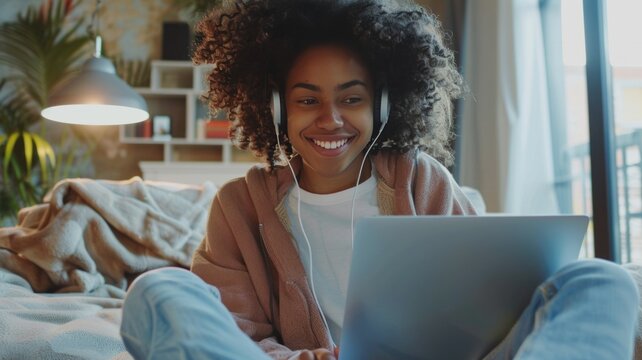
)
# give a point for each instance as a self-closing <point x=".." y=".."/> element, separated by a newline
<point x="96" y="95"/>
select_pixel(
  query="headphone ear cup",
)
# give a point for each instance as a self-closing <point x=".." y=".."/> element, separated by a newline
<point x="384" y="106"/>
<point x="376" y="113"/>
<point x="284" y="114"/>
<point x="277" y="106"/>
<point x="381" y="109"/>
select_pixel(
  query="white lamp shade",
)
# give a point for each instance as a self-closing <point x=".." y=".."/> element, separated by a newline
<point x="96" y="96"/>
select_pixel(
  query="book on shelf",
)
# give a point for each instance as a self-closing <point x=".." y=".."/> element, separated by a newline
<point x="212" y="129"/>
<point x="143" y="129"/>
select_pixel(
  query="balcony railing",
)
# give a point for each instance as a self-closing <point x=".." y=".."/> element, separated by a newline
<point x="575" y="187"/>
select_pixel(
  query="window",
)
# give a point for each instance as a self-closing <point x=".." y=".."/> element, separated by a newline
<point x="625" y="60"/>
<point x="566" y="70"/>
<point x="579" y="127"/>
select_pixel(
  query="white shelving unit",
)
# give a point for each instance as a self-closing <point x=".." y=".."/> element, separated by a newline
<point x="175" y="91"/>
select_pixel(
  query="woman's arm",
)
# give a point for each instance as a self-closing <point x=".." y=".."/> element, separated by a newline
<point x="224" y="260"/>
<point x="436" y="192"/>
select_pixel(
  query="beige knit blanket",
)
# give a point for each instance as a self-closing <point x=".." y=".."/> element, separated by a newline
<point x="82" y="248"/>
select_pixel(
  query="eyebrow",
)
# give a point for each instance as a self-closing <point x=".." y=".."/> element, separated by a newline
<point x="343" y="86"/>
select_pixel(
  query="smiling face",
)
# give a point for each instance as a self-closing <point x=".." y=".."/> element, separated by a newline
<point x="329" y="103"/>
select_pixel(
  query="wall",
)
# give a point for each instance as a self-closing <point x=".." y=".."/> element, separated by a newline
<point x="451" y="13"/>
<point x="128" y="27"/>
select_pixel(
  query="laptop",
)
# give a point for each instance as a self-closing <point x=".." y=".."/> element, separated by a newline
<point x="448" y="287"/>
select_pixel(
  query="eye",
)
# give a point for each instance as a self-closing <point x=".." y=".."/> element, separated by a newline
<point x="352" y="100"/>
<point x="307" y="101"/>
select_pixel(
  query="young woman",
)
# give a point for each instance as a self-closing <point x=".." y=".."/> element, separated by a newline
<point x="306" y="84"/>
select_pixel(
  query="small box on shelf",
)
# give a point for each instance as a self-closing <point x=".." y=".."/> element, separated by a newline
<point x="162" y="127"/>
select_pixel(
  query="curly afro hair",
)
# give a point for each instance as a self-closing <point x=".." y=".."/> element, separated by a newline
<point x="252" y="44"/>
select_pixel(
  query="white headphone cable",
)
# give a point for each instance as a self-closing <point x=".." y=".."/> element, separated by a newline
<point x="354" y="195"/>
<point x="307" y="241"/>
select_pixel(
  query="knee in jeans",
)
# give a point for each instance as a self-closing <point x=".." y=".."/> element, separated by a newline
<point x="157" y="280"/>
<point x="607" y="273"/>
<point x="170" y="281"/>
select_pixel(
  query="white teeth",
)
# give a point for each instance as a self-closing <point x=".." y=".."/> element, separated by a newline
<point x="330" y="144"/>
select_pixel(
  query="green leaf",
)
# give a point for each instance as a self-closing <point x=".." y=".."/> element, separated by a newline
<point x="44" y="151"/>
<point x="69" y="161"/>
<point x="16" y="169"/>
<point x="8" y="152"/>
<point x="28" y="144"/>
<point x="57" y="169"/>
<point x="23" y="191"/>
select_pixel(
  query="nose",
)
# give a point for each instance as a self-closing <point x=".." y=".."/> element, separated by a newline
<point x="329" y="118"/>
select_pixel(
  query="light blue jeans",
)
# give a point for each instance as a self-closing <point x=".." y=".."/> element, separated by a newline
<point x="588" y="310"/>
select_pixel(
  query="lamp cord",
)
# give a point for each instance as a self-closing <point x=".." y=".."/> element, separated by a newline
<point x="94" y="29"/>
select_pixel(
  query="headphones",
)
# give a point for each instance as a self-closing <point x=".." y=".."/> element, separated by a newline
<point x="380" y="111"/>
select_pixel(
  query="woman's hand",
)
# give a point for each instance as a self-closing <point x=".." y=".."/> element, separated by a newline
<point x="324" y="354"/>
<point x="318" y="354"/>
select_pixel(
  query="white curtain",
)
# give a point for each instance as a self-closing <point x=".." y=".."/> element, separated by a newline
<point x="505" y="143"/>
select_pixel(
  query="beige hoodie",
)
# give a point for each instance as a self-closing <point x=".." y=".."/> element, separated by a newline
<point x="248" y="248"/>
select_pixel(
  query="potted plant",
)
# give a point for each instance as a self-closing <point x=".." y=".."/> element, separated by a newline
<point x="41" y="47"/>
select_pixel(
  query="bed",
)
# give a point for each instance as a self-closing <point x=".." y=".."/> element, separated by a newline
<point x="65" y="268"/>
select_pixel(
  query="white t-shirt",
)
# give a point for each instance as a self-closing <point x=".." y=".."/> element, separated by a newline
<point x="326" y="220"/>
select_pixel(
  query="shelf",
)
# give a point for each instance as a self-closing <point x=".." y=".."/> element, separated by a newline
<point x="164" y="92"/>
<point x="193" y="172"/>
<point x="175" y="91"/>
<point x="207" y="142"/>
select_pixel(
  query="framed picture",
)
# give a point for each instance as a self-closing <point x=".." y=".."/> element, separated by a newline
<point x="162" y="126"/>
